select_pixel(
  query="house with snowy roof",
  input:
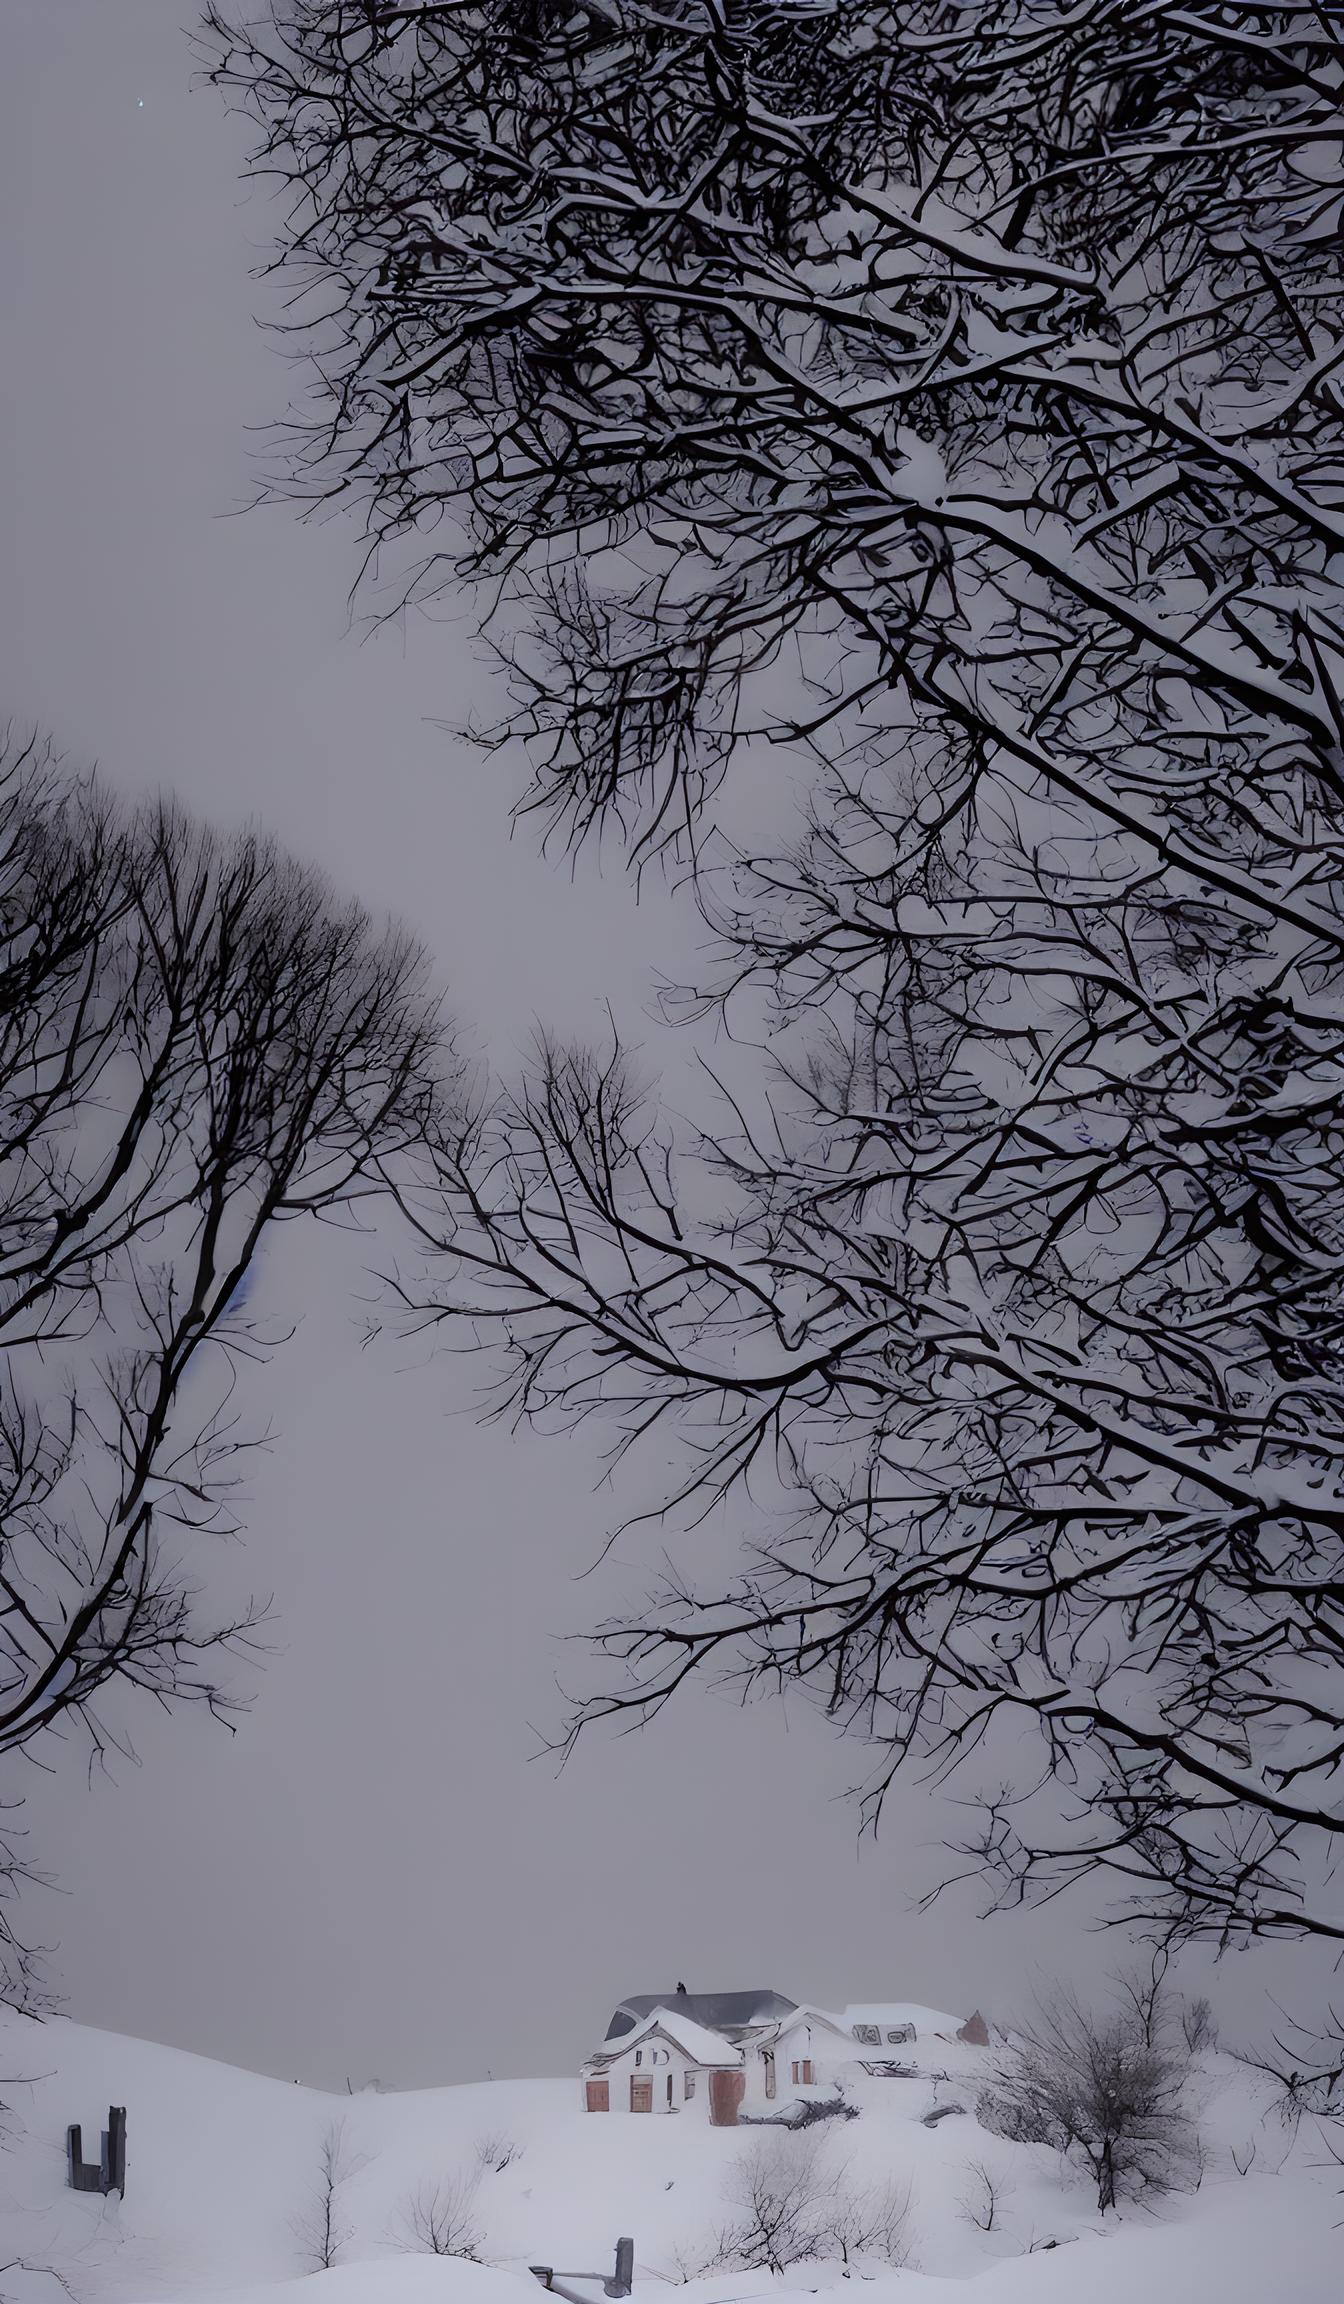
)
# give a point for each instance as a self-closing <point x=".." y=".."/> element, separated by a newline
<point x="716" y="2054"/>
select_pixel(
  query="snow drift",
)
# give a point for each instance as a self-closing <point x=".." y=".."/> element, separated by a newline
<point x="223" y="2177"/>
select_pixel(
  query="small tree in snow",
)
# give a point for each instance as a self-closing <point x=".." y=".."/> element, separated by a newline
<point x="872" y="2222"/>
<point x="1108" y="2092"/>
<point x="322" y="2230"/>
<point x="793" y="2206"/>
<point x="1143" y="1989"/>
<point x="1198" y="2027"/>
<point x="496" y="2150"/>
<point x="981" y="2202"/>
<point x="440" y="2218"/>
<point x="778" y="2189"/>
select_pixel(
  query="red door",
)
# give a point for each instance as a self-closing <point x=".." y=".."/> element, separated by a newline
<point x="641" y="2095"/>
<point x="599" y="2096"/>
<point x="725" y="2094"/>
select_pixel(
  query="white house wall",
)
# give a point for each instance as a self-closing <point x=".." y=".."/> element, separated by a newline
<point x="655" y="2060"/>
<point x="803" y="2040"/>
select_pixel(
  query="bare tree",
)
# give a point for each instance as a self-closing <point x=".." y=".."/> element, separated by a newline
<point x="441" y="2218"/>
<point x="779" y="2192"/>
<point x="321" y="2229"/>
<point x="1143" y="1989"/>
<point x="948" y="397"/>
<point x="870" y="2222"/>
<point x="1108" y="2091"/>
<point x="793" y="2205"/>
<point x="1199" y="2027"/>
<point x="197" y="1045"/>
<point x="981" y="2202"/>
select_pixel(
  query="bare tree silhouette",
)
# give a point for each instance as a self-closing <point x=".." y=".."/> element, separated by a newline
<point x="196" y="1045"/>
<point x="941" y="402"/>
<point x="321" y="2229"/>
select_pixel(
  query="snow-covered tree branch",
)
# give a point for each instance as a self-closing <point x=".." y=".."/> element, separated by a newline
<point x="943" y="400"/>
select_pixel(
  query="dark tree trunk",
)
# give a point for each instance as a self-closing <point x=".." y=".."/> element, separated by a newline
<point x="1106" y="2177"/>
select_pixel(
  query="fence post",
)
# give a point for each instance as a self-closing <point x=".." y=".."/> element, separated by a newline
<point x="114" y="2151"/>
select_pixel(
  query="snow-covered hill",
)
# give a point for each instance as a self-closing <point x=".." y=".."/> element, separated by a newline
<point x="223" y="2175"/>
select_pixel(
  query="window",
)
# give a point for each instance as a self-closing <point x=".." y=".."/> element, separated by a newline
<point x="802" y="2072"/>
<point x="688" y="2086"/>
<point x="639" y="2055"/>
<point x="669" y="2091"/>
<point x="768" y="2058"/>
<point x="870" y="2034"/>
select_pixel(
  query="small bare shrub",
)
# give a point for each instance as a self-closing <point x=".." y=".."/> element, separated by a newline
<point x="794" y="2207"/>
<point x="440" y="2218"/>
<point x="982" y="2201"/>
<point x="873" y="2223"/>
<point x="496" y="2150"/>
<point x="1199" y="2027"/>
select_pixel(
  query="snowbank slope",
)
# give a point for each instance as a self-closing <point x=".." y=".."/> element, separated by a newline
<point x="223" y="2177"/>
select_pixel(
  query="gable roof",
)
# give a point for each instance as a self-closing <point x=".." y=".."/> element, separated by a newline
<point x="806" y="2014"/>
<point x="699" y="2043"/>
<point x="716" y="2011"/>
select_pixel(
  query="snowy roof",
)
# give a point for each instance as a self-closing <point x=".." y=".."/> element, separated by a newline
<point x="717" y="2011"/>
<point x="894" y="2013"/>
<point x="699" y="2043"/>
<point x="809" y="2015"/>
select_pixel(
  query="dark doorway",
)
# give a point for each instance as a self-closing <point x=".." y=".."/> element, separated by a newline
<point x="725" y="2094"/>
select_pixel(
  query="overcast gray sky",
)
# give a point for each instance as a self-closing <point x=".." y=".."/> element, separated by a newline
<point x="372" y="1876"/>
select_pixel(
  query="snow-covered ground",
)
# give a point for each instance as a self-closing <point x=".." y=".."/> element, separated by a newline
<point x="223" y="2174"/>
